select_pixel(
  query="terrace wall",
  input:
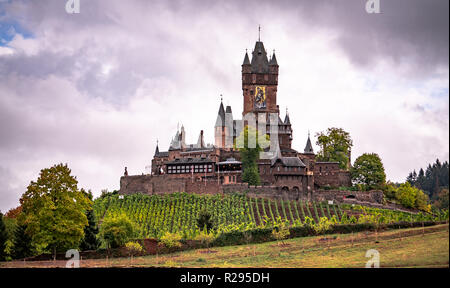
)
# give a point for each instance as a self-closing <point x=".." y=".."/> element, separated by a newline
<point x="160" y="184"/>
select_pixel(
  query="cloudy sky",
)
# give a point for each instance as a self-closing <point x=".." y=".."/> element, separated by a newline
<point x="97" y="89"/>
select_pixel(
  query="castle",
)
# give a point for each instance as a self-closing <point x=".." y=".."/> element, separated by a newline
<point x="200" y="168"/>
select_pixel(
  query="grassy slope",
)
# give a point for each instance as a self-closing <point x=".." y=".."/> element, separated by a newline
<point x="397" y="248"/>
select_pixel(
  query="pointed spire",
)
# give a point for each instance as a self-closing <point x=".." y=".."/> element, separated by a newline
<point x="200" y="141"/>
<point x="246" y="59"/>
<point x="287" y="120"/>
<point x="273" y="60"/>
<point x="157" y="148"/>
<point x="308" y="147"/>
<point x="220" y="121"/>
<point x="259" y="33"/>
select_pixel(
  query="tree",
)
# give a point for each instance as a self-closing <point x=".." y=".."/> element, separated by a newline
<point x="53" y="209"/>
<point x="442" y="201"/>
<point x="369" y="171"/>
<point x="22" y="243"/>
<point x="116" y="230"/>
<point x="204" y="220"/>
<point x="249" y="154"/>
<point x="410" y="196"/>
<point x="335" y="146"/>
<point x="90" y="241"/>
<point x="3" y="238"/>
<point x="14" y="212"/>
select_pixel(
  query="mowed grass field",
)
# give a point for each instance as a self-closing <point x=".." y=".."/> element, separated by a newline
<point x="417" y="247"/>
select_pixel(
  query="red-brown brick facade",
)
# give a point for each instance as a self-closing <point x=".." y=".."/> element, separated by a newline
<point x="200" y="168"/>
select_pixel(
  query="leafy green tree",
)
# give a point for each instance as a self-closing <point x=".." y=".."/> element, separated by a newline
<point x="406" y="194"/>
<point x="3" y="238"/>
<point x="249" y="155"/>
<point x="90" y="241"/>
<point x="116" y="230"/>
<point x="335" y="146"/>
<point x="369" y="171"/>
<point x="53" y="209"/>
<point x="22" y="243"/>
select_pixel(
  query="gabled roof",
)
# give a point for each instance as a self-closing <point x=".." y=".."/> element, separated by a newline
<point x="286" y="161"/>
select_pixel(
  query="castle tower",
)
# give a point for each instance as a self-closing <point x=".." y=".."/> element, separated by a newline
<point x="221" y="129"/>
<point x="260" y="81"/>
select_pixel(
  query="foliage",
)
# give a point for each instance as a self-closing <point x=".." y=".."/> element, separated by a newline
<point x="206" y="238"/>
<point x="204" y="220"/>
<point x="3" y="238"/>
<point x="171" y="240"/>
<point x="116" y="230"/>
<point x="432" y="180"/>
<point x="323" y="226"/>
<point x="133" y="248"/>
<point x="13" y="213"/>
<point x="407" y="195"/>
<point x="22" y="243"/>
<point x="280" y="230"/>
<point x="442" y="201"/>
<point x="368" y="170"/>
<point x="250" y="143"/>
<point x="53" y="209"/>
<point x="90" y="240"/>
<point x="335" y="146"/>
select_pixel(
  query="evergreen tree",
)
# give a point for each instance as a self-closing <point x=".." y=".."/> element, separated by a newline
<point x="3" y="238"/>
<point x="22" y="243"/>
<point x="90" y="241"/>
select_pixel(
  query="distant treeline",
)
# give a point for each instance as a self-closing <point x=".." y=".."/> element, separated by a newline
<point x="432" y="180"/>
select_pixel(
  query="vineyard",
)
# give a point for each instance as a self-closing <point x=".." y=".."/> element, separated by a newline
<point x="156" y="215"/>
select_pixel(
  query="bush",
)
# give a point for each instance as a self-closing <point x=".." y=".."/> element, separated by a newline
<point x="171" y="240"/>
<point x="115" y="231"/>
<point x="133" y="248"/>
<point x="323" y="226"/>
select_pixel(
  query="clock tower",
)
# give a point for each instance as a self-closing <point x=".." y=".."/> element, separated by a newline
<point x="260" y="81"/>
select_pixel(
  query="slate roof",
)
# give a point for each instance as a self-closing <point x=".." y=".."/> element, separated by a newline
<point x="260" y="63"/>
<point x="220" y="121"/>
<point x="308" y="147"/>
<point x="246" y="59"/>
<point x="273" y="60"/>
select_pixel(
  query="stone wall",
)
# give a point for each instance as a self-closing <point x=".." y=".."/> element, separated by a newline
<point x="374" y="196"/>
<point x="161" y="184"/>
<point x="332" y="179"/>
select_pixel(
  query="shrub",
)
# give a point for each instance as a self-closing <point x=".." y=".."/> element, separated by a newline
<point x="133" y="248"/>
<point x="280" y="232"/>
<point x="115" y="231"/>
<point x="171" y="240"/>
<point x="323" y="226"/>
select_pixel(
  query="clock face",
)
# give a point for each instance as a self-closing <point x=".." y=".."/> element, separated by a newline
<point x="260" y="97"/>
